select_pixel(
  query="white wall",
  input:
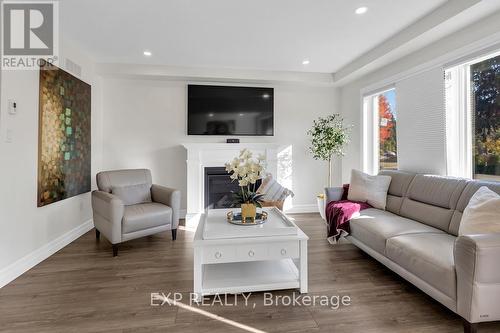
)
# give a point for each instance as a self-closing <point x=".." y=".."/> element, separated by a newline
<point x="422" y="68"/>
<point x="145" y="124"/>
<point x="26" y="229"/>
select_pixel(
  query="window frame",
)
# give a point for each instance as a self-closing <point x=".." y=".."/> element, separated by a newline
<point x="459" y="116"/>
<point x="370" y="156"/>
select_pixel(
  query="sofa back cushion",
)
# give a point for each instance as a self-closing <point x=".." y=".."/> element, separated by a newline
<point x="133" y="194"/>
<point x="106" y="180"/>
<point x="432" y="200"/>
<point x="469" y="190"/>
<point x="400" y="183"/>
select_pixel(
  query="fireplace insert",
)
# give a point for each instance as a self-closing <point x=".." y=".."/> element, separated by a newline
<point x="219" y="188"/>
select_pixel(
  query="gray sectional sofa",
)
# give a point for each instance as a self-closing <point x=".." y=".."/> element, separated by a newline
<point x="417" y="237"/>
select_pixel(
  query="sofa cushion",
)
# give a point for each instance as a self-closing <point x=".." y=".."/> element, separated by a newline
<point x="133" y="194"/>
<point x="428" y="256"/>
<point x="144" y="216"/>
<point x="400" y="183"/>
<point x="434" y="216"/>
<point x="432" y="200"/>
<point x="373" y="227"/>
<point x="436" y="190"/>
<point x="108" y="179"/>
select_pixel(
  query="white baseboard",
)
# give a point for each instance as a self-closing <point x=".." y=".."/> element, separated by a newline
<point x="22" y="265"/>
<point x="297" y="209"/>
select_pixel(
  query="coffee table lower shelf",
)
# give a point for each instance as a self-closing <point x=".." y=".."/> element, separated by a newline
<point x="240" y="277"/>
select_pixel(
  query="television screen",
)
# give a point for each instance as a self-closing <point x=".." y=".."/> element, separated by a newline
<point x="223" y="110"/>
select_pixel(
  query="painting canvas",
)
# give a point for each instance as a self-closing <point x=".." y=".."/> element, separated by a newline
<point x="64" y="158"/>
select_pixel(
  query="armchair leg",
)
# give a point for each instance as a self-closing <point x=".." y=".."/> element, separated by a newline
<point x="97" y="234"/>
<point x="115" y="250"/>
<point x="174" y="234"/>
<point x="470" y="327"/>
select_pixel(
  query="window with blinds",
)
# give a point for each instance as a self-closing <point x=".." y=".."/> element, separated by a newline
<point x="473" y="118"/>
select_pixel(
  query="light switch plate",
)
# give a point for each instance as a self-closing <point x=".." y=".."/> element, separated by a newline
<point x="12" y="106"/>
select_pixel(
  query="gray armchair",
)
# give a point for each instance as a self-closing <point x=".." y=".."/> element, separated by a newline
<point x="128" y="205"/>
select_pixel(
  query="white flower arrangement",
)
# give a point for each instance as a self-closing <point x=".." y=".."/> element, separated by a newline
<point x="247" y="171"/>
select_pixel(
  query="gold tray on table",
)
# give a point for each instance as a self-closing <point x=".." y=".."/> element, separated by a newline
<point x="235" y="218"/>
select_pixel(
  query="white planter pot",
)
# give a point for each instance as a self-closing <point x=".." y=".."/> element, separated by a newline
<point x="321" y="207"/>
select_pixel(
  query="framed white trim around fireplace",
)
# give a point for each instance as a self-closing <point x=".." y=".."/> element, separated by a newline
<point x="201" y="155"/>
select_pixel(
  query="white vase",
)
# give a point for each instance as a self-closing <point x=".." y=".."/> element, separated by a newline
<point x="321" y="206"/>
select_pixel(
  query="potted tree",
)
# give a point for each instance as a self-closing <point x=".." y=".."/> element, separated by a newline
<point x="329" y="137"/>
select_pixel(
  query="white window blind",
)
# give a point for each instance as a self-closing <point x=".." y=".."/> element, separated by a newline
<point x="422" y="123"/>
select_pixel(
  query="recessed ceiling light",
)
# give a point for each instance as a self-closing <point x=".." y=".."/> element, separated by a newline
<point x="210" y="114"/>
<point x="242" y="114"/>
<point x="305" y="62"/>
<point x="148" y="53"/>
<point x="361" y="10"/>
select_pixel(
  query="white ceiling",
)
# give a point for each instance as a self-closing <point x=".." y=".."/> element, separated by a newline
<point x="248" y="34"/>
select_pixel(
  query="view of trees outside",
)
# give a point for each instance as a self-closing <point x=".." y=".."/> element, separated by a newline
<point x="485" y="85"/>
<point x="388" y="151"/>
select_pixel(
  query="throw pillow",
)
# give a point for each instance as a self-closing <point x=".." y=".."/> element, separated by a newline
<point x="272" y="190"/>
<point x="369" y="189"/>
<point x="482" y="214"/>
<point x="133" y="194"/>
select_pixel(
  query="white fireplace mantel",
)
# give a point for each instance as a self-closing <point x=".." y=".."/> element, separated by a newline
<point x="201" y="155"/>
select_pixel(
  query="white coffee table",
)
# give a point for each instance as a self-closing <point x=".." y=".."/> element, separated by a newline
<point x="236" y="259"/>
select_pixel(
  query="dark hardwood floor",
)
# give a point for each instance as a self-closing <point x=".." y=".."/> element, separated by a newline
<point x="83" y="288"/>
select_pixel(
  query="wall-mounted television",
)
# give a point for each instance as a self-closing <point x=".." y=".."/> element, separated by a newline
<point x="230" y="110"/>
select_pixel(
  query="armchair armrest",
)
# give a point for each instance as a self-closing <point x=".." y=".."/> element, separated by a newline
<point x="333" y="194"/>
<point x="108" y="212"/>
<point x="170" y="197"/>
<point x="478" y="277"/>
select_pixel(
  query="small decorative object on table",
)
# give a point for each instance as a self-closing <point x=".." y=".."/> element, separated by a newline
<point x="246" y="170"/>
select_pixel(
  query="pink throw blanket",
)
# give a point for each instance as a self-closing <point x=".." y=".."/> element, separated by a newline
<point x="338" y="214"/>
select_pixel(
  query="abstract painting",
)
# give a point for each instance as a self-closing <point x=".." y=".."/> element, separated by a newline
<point x="64" y="136"/>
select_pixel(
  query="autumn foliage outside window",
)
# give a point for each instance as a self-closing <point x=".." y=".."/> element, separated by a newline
<point x="388" y="151"/>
